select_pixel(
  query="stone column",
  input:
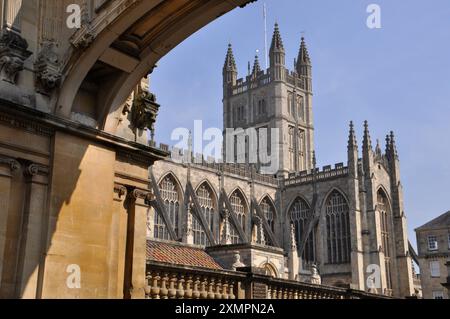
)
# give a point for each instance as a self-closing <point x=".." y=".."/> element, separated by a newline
<point x="34" y="223"/>
<point x="7" y="167"/>
<point x="135" y="263"/>
<point x="11" y="15"/>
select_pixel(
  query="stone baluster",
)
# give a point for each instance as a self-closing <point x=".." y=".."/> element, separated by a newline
<point x="274" y="293"/>
<point x="211" y="294"/>
<point x="180" y="290"/>
<point x="218" y="294"/>
<point x="147" y="287"/>
<point x="296" y="294"/>
<point x="196" y="292"/>
<point x="172" y="289"/>
<point x="280" y="293"/>
<point x="164" y="290"/>
<point x="155" y="290"/>
<point x="291" y="293"/>
<point x="285" y="294"/>
<point x="231" y="295"/>
<point x="204" y="292"/>
<point x="188" y="293"/>
<point x="269" y="292"/>
<point x="225" y="290"/>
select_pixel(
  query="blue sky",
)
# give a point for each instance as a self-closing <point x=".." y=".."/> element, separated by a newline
<point x="397" y="77"/>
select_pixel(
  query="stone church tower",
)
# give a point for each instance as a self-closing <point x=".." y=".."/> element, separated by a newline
<point x="276" y="98"/>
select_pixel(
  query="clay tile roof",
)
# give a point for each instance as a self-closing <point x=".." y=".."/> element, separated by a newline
<point x="177" y="254"/>
<point x="442" y="221"/>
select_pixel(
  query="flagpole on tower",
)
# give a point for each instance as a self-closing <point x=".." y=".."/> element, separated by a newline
<point x="265" y="35"/>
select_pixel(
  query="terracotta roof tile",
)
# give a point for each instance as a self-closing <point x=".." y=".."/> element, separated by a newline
<point x="178" y="254"/>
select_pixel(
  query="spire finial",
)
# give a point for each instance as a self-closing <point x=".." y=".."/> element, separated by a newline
<point x="277" y="41"/>
<point x="230" y="62"/>
<point x="378" y="148"/>
<point x="352" y="143"/>
<point x="256" y="66"/>
<point x="388" y="144"/>
<point x="314" y="159"/>
<point x="393" y="145"/>
<point x="367" y="143"/>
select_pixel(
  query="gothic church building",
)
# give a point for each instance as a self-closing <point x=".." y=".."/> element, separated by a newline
<point x="346" y="221"/>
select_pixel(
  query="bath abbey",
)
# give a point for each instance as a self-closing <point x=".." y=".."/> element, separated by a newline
<point x="92" y="207"/>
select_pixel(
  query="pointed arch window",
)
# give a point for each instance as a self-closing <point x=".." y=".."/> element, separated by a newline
<point x="269" y="212"/>
<point x="239" y="208"/>
<point x="338" y="229"/>
<point x="170" y="195"/>
<point x="300" y="214"/>
<point x="206" y="201"/>
<point x="385" y="220"/>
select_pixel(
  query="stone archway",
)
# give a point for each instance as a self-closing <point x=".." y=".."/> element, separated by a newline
<point x="73" y="192"/>
<point x="123" y="46"/>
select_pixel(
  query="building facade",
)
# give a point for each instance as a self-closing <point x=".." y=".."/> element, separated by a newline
<point x="345" y="221"/>
<point x="433" y="241"/>
<point x="76" y="200"/>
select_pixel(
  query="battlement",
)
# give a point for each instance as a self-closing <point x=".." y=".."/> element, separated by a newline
<point x="327" y="172"/>
<point x="264" y="78"/>
<point x="198" y="160"/>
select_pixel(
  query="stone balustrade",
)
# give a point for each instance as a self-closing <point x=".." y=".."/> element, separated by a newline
<point x="184" y="283"/>
<point x="180" y="282"/>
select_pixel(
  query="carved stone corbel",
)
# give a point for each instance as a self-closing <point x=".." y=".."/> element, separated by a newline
<point x="13" y="53"/>
<point x="47" y="66"/>
<point x="144" y="110"/>
<point x="83" y="38"/>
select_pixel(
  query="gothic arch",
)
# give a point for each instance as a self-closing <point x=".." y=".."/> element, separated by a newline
<point x="176" y="179"/>
<point x="126" y="38"/>
<point x="300" y="213"/>
<point x="267" y="196"/>
<point x="173" y="206"/>
<point x="331" y="191"/>
<point x="293" y="201"/>
<point x="243" y="215"/>
<point x="209" y="209"/>
<point x="244" y="198"/>
<point x="211" y="187"/>
<point x="385" y="192"/>
<point x="270" y="269"/>
<point x="384" y="209"/>
<point x="272" y="203"/>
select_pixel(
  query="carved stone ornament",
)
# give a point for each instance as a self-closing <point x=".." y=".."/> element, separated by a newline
<point x="13" y="53"/>
<point x="144" y="110"/>
<point x="83" y="38"/>
<point x="47" y="66"/>
<point x="12" y="163"/>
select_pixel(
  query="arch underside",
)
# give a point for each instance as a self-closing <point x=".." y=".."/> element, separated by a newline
<point x="99" y="78"/>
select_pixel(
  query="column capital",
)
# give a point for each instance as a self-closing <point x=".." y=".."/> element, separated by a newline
<point x="120" y="192"/>
<point x="146" y="196"/>
<point x="34" y="169"/>
<point x="12" y="163"/>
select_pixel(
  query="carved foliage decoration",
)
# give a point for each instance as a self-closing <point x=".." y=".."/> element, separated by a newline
<point x="13" y="53"/>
